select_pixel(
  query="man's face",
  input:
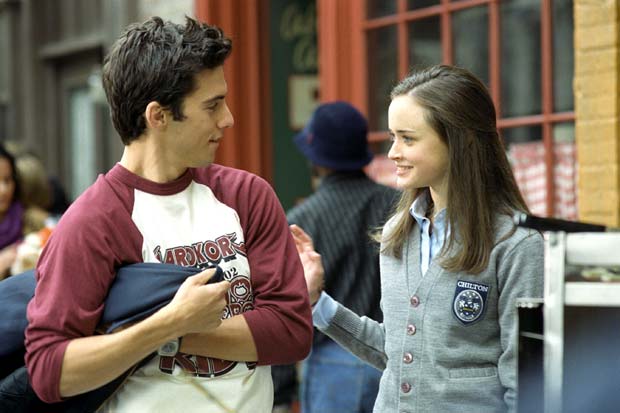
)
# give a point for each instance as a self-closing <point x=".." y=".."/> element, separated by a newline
<point x="192" y="141"/>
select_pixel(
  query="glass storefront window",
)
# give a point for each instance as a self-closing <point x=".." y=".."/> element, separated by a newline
<point x="380" y="8"/>
<point x="82" y="140"/>
<point x="470" y="36"/>
<point x="420" y="4"/>
<point x="520" y="58"/>
<point x="382" y="74"/>
<point x="563" y="58"/>
<point x="424" y="42"/>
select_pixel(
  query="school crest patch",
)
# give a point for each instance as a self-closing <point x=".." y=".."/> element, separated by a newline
<point x="470" y="301"/>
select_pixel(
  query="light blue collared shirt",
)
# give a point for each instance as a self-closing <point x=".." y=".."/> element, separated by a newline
<point x="430" y="245"/>
<point x="431" y="238"/>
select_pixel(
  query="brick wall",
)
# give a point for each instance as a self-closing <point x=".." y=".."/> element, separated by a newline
<point x="597" y="95"/>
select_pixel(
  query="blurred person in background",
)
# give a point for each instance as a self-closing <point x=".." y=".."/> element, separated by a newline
<point x="344" y="209"/>
<point x="35" y="192"/>
<point x="11" y="212"/>
<point x="35" y="198"/>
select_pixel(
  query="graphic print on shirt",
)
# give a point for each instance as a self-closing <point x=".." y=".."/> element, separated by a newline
<point x="203" y="254"/>
<point x="193" y="229"/>
<point x="470" y="299"/>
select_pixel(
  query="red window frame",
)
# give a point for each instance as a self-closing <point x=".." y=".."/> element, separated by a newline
<point x="546" y="120"/>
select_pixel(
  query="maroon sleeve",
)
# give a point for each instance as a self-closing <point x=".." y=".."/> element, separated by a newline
<point x="73" y="276"/>
<point x="281" y="322"/>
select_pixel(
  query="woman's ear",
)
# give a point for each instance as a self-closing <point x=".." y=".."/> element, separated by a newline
<point x="156" y="116"/>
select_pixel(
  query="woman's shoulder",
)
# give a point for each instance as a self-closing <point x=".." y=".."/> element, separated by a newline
<point x="508" y="235"/>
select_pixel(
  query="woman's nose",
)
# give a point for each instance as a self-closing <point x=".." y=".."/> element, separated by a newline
<point x="394" y="153"/>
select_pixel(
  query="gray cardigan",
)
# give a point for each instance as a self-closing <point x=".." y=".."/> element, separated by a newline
<point x="448" y="342"/>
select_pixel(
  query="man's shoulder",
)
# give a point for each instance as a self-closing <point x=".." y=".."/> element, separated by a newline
<point x="216" y="175"/>
<point x="101" y="201"/>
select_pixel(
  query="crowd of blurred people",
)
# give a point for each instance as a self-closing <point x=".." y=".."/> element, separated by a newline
<point x="31" y="202"/>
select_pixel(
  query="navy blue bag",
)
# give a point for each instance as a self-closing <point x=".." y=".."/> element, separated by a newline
<point x="138" y="291"/>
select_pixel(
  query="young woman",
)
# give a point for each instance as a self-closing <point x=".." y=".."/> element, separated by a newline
<point x="11" y="212"/>
<point x="452" y="263"/>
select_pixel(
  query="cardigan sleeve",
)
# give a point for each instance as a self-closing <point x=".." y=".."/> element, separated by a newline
<point x="520" y="274"/>
<point x="362" y="336"/>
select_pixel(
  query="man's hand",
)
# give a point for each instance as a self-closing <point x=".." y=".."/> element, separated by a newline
<point x="197" y="306"/>
<point x="311" y="261"/>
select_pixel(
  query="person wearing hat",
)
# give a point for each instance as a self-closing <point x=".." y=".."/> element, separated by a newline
<point x="345" y="207"/>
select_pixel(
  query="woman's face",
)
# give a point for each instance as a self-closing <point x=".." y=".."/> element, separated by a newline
<point x="420" y="154"/>
<point x="7" y="185"/>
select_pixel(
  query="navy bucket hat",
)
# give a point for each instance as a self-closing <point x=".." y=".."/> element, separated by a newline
<point x="336" y="137"/>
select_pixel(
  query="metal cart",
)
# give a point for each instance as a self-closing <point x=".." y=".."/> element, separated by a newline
<point x="576" y="326"/>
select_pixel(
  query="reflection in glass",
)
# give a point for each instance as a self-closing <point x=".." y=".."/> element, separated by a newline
<point x="380" y="8"/>
<point x="82" y="140"/>
<point x="521" y="134"/>
<point x="520" y="58"/>
<point x="418" y="4"/>
<point x="382" y="74"/>
<point x="565" y="170"/>
<point x="424" y="42"/>
<point x="526" y="153"/>
<point x="470" y="35"/>
<point x="563" y="58"/>
<point x="564" y="132"/>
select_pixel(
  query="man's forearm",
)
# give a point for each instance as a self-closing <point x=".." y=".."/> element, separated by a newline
<point x="91" y="362"/>
<point x="232" y="340"/>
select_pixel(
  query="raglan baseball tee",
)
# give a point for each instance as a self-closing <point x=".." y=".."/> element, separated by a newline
<point x="208" y="216"/>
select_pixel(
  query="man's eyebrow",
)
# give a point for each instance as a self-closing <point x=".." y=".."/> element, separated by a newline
<point x="212" y="100"/>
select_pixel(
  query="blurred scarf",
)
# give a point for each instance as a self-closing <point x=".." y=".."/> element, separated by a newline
<point x="11" y="225"/>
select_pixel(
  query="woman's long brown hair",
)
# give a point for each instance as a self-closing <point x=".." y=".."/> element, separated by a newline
<point x="480" y="181"/>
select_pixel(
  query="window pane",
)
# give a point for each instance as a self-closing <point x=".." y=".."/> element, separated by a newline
<point x="563" y="58"/>
<point x="382" y="74"/>
<point x="528" y="164"/>
<point x="565" y="171"/>
<point x="82" y="140"/>
<point x="520" y="58"/>
<point x="418" y="4"/>
<point x="380" y="8"/>
<point x="521" y="134"/>
<point x="424" y="42"/>
<point x="564" y="132"/>
<point x="470" y="35"/>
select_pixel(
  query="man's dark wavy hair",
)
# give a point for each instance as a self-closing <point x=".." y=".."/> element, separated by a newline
<point x="158" y="61"/>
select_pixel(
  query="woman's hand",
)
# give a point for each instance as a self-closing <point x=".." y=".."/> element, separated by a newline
<point x="311" y="261"/>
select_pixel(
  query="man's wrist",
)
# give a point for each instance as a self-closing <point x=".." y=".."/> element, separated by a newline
<point x="170" y="348"/>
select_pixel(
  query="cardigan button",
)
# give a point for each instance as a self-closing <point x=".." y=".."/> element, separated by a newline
<point x="415" y="301"/>
<point x="411" y="329"/>
<point x="405" y="387"/>
<point x="407" y="358"/>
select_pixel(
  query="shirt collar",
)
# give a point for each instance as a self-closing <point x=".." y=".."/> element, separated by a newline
<point x="418" y="212"/>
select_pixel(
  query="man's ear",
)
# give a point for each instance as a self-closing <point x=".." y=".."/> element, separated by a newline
<point x="156" y="115"/>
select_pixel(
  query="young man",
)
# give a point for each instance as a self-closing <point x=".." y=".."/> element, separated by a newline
<point x="166" y="202"/>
